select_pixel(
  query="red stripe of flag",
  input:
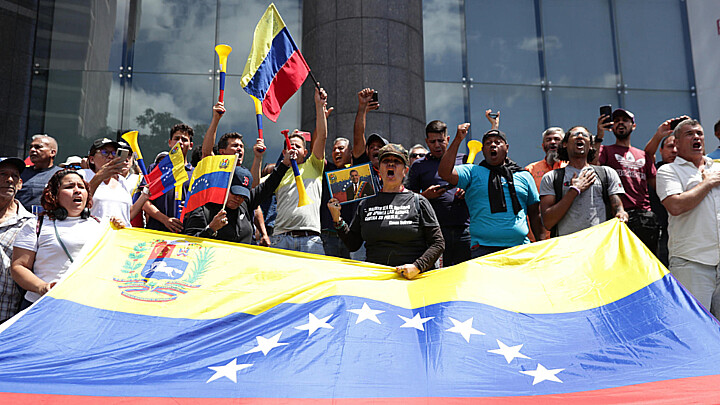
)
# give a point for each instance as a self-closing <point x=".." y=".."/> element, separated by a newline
<point x="286" y="82"/>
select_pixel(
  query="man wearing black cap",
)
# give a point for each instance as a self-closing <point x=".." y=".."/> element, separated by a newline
<point x="234" y="223"/>
<point x="636" y="171"/>
<point x="43" y="150"/>
<point x="364" y="152"/>
<point x="12" y="217"/>
<point x="499" y="194"/>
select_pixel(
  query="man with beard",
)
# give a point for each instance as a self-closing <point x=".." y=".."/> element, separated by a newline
<point x="367" y="151"/>
<point x="447" y="201"/>
<point x="551" y="139"/>
<point x="43" y="149"/>
<point x="636" y="171"/>
<point x="688" y="188"/>
<point x="579" y="195"/>
<point x="500" y="195"/>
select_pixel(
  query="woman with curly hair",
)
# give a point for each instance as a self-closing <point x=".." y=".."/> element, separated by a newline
<point x="45" y="247"/>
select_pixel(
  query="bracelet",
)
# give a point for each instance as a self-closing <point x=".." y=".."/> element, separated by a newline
<point x="339" y="225"/>
<point x="576" y="189"/>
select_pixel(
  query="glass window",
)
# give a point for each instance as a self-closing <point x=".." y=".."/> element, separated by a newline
<point x="175" y="36"/>
<point x="651" y="39"/>
<point x="568" y="107"/>
<point x="445" y="102"/>
<point x="651" y="108"/>
<point x="521" y="117"/>
<point x="502" y="42"/>
<point x="442" y="40"/>
<point x="578" y="43"/>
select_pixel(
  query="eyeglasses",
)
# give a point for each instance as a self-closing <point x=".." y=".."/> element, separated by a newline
<point x="585" y="134"/>
<point x="417" y="155"/>
<point x="107" y="153"/>
<point x="74" y="166"/>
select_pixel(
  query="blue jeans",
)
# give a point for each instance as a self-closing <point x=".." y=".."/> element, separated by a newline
<point x="307" y="244"/>
<point x="334" y="246"/>
<point x="457" y="245"/>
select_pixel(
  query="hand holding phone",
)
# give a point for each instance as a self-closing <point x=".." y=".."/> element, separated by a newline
<point x="123" y="153"/>
<point x="606" y="110"/>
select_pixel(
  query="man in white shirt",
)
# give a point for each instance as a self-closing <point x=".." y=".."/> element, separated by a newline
<point x="688" y="188"/>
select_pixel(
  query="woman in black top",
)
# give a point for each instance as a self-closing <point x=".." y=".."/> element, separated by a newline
<point x="399" y="227"/>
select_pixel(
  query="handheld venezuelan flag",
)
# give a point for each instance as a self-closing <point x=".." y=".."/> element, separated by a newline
<point x="275" y="68"/>
<point x="148" y="317"/>
<point x="210" y="181"/>
<point x="168" y="173"/>
<point x="131" y="139"/>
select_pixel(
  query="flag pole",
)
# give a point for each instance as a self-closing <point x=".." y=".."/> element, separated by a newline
<point x="232" y="174"/>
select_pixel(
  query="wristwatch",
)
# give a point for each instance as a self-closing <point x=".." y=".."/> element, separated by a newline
<point x="212" y="232"/>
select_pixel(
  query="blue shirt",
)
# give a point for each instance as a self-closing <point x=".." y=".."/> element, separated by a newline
<point x="714" y="154"/>
<point x="34" y="182"/>
<point x="450" y="211"/>
<point x="501" y="228"/>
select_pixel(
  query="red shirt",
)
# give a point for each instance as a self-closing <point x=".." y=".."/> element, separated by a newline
<point x="634" y="169"/>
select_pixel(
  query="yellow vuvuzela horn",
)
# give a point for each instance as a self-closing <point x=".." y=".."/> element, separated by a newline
<point x="474" y="147"/>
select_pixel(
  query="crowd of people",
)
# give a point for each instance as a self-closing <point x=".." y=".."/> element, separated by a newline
<point x="414" y="211"/>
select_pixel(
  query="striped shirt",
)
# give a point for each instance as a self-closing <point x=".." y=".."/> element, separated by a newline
<point x="9" y="294"/>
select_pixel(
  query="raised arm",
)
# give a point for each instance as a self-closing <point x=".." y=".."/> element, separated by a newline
<point x="446" y="168"/>
<point x="318" y="147"/>
<point x="364" y="105"/>
<point x="211" y="133"/>
<point x="259" y="150"/>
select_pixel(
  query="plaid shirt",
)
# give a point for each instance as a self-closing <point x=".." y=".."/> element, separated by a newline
<point x="9" y="294"/>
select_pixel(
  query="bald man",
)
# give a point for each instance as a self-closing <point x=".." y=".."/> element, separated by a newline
<point x="43" y="150"/>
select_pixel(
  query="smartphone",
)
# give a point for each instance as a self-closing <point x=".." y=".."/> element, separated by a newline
<point x="123" y="153"/>
<point x="606" y="110"/>
<point x="674" y="123"/>
<point x="374" y="97"/>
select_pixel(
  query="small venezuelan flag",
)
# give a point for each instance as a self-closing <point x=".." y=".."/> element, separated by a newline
<point x="210" y="181"/>
<point x="275" y="68"/>
<point x="168" y="173"/>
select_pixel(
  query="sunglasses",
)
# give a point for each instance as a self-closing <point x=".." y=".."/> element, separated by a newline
<point x="74" y="166"/>
<point x="417" y="155"/>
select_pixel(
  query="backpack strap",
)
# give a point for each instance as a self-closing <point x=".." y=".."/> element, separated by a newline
<point x="602" y="175"/>
<point x="557" y="187"/>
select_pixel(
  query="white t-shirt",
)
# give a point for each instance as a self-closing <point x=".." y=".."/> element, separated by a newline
<point x="111" y="200"/>
<point x="290" y="217"/>
<point x="51" y="262"/>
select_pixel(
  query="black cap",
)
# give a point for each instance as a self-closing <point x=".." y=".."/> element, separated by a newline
<point x="99" y="143"/>
<point x="241" y="182"/>
<point x="17" y="162"/>
<point x="494" y="132"/>
<point x="393" y="149"/>
<point x="374" y="137"/>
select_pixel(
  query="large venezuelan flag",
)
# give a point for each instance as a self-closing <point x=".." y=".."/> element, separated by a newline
<point x="152" y="318"/>
<point x="275" y="68"/>
<point x="210" y="181"/>
<point x="168" y="173"/>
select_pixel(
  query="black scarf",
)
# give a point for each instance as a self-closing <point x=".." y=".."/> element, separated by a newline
<point x="495" y="189"/>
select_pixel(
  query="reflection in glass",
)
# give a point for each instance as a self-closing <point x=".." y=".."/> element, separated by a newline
<point x="652" y="44"/>
<point x="578" y="43"/>
<point x="568" y="107"/>
<point x="445" y="102"/>
<point x="651" y="108"/>
<point x="442" y="40"/>
<point x="521" y="117"/>
<point x="175" y="36"/>
<point x="502" y="42"/>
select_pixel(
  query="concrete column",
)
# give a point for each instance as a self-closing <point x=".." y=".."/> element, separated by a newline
<point x="354" y="44"/>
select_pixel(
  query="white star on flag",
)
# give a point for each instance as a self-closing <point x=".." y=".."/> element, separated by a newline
<point x="365" y="313"/>
<point x="542" y="374"/>
<point x="416" y="322"/>
<point x="229" y="370"/>
<point x="265" y="345"/>
<point x="314" y="324"/>
<point x="464" y="328"/>
<point x="510" y="352"/>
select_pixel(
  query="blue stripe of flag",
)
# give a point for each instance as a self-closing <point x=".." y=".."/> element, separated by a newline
<point x="282" y="48"/>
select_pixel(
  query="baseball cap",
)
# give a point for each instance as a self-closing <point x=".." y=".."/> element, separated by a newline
<point x="241" y="182"/>
<point x="625" y="112"/>
<point x="494" y="132"/>
<point x="393" y="149"/>
<point x="17" y="162"/>
<point x="377" y="137"/>
<point x="71" y="161"/>
<point x="99" y="143"/>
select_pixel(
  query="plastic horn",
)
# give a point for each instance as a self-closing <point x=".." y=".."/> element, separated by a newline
<point x="131" y="139"/>
<point x="474" y="147"/>
<point x="258" y="115"/>
<point x="223" y="51"/>
<point x="303" y="198"/>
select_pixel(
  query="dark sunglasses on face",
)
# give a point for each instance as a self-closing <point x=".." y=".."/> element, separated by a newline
<point x="417" y="155"/>
<point x="74" y="166"/>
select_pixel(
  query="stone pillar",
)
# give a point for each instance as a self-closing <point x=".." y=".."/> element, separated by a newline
<point x="354" y="44"/>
